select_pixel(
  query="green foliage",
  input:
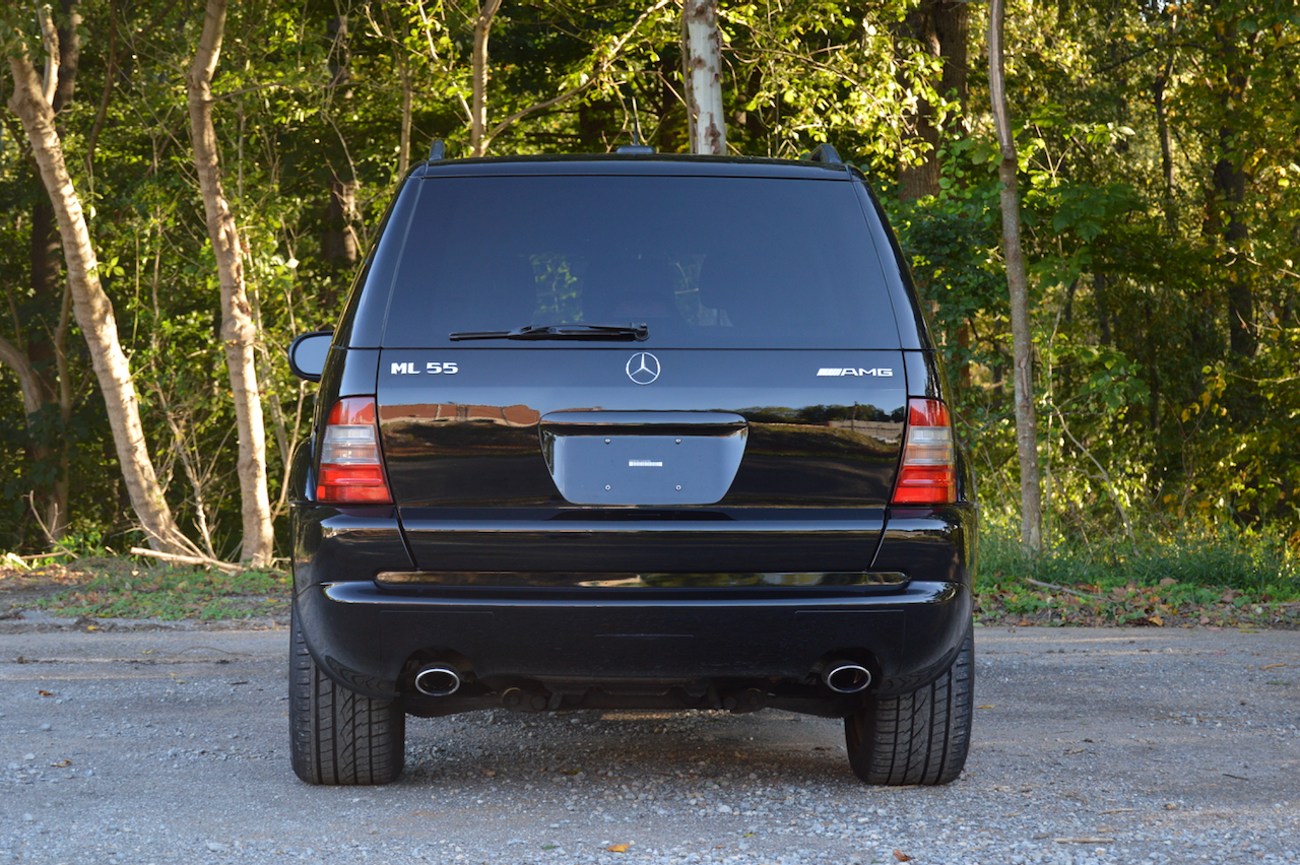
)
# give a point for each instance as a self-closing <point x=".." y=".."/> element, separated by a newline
<point x="1144" y="410"/>
<point x="1148" y="418"/>
<point x="1214" y="559"/>
<point x="1168" y="576"/>
<point x="1251" y="472"/>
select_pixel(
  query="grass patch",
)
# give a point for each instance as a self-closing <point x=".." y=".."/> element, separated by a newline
<point x="1228" y="580"/>
<point x="116" y="588"/>
<point x="1225" y="579"/>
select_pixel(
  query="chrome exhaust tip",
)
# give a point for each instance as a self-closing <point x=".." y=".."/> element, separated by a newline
<point x="437" y="681"/>
<point x="846" y="678"/>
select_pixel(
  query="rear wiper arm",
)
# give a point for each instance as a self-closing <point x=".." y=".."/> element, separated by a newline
<point x="619" y="332"/>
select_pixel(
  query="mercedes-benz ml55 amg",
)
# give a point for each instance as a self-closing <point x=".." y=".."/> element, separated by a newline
<point x="632" y="431"/>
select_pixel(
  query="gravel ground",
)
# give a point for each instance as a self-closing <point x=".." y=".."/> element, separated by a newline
<point x="1091" y="746"/>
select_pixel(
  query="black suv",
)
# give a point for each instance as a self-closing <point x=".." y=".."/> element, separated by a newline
<point x="631" y="431"/>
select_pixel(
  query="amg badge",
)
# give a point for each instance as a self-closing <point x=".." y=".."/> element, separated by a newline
<point x="836" y="371"/>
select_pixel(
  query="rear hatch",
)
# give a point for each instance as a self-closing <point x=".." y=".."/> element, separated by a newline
<point x="743" y="421"/>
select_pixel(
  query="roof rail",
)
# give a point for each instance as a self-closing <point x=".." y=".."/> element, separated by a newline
<point x="438" y="151"/>
<point x="826" y="154"/>
<point x="634" y="148"/>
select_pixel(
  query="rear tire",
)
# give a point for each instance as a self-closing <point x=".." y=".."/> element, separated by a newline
<point x="338" y="736"/>
<point x="916" y="738"/>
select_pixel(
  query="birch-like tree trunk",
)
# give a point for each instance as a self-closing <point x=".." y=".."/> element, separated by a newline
<point x="1031" y="505"/>
<point x="94" y="311"/>
<point x="702" y="71"/>
<point x="238" y="330"/>
<point x="408" y="99"/>
<point x="479" y="139"/>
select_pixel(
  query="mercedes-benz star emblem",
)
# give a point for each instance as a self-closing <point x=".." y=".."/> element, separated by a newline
<point x="643" y="368"/>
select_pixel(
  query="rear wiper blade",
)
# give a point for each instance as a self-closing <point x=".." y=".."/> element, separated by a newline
<point x="619" y="332"/>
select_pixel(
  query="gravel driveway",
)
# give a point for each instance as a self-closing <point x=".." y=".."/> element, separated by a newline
<point x="1090" y="746"/>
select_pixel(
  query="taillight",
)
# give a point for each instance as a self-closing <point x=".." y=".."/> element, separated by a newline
<point x="928" y="474"/>
<point x="351" y="468"/>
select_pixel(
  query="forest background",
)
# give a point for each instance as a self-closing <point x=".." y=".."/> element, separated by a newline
<point x="1157" y="162"/>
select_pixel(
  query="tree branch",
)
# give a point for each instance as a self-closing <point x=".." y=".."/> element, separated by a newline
<point x="433" y="55"/>
<point x="28" y="380"/>
<point x="603" y="66"/>
<point x="200" y="561"/>
<point x="50" y="38"/>
<point x="110" y="77"/>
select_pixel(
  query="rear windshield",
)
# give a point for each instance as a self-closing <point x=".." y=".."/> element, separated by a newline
<point x="702" y="262"/>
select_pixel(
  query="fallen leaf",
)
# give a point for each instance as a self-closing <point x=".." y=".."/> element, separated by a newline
<point x="44" y="693"/>
<point x="1156" y="620"/>
<point x="901" y="856"/>
<point x="62" y="764"/>
<point x="987" y="706"/>
<point x="617" y="848"/>
<point x="1272" y="666"/>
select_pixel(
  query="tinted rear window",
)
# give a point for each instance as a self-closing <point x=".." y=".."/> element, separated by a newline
<point x="704" y="262"/>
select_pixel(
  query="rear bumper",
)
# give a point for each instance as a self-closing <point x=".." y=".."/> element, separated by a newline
<point x="369" y="636"/>
<point x="364" y="635"/>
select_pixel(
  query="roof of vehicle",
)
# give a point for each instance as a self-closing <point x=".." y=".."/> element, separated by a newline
<point x="662" y="164"/>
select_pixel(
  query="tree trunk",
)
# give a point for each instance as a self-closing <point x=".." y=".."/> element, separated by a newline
<point x="35" y="398"/>
<point x="1031" y="507"/>
<point x="339" y="243"/>
<point x="1230" y="195"/>
<point x="339" y="238"/>
<point x="1229" y="202"/>
<point x="1230" y="189"/>
<point x="408" y="98"/>
<point x="33" y="389"/>
<point x="943" y="27"/>
<point x="94" y="312"/>
<point x="478" y="137"/>
<point x="238" y="330"/>
<point x="1230" y="182"/>
<point x="46" y="341"/>
<point x="1166" y="148"/>
<point x="340" y="56"/>
<point x="702" y="71"/>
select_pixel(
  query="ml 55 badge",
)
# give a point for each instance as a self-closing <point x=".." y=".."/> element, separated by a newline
<point x="433" y="367"/>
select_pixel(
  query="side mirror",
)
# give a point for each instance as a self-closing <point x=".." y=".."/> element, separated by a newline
<point x="307" y="354"/>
